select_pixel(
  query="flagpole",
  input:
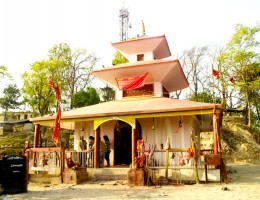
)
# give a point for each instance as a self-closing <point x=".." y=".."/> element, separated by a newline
<point x="213" y="84"/>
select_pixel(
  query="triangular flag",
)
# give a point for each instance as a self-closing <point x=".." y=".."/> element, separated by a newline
<point x="232" y="80"/>
<point x="215" y="73"/>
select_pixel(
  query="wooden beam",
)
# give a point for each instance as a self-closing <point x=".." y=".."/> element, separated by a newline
<point x="166" y="162"/>
<point x="133" y="146"/>
<point x="37" y="133"/>
<point x="97" y="148"/>
<point x="195" y="157"/>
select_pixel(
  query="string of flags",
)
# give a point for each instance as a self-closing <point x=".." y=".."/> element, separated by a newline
<point x="215" y="73"/>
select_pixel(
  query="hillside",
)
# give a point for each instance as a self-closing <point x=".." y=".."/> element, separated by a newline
<point x="239" y="144"/>
<point x="12" y="143"/>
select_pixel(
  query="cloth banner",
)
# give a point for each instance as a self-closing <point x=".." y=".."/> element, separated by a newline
<point x="130" y="83"/>
<point x="216" y="132"/>
<point x="56" y="129"/>
<point x="55" y="135"/>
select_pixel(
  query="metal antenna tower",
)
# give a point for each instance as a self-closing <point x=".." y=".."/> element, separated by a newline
<point x="123" y="23"/>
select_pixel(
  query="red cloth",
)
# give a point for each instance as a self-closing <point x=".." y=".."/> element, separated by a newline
<point x="215" y="73"/>
<point x="216" y="133"/>
<point x="232" y="80"/>
<point x="55" y="88"/>
<point x="55" y="135"/>
<point x="140" y="146"/>
<point x="130" y="83"/>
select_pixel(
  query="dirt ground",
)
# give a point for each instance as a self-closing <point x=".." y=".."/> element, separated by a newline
<point x="244" y="183"/>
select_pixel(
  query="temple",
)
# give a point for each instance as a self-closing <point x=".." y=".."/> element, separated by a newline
<point x="143" y="113"/>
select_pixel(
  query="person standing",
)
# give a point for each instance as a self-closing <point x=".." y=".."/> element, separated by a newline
<point x="83" y="143"/>
<point x="91" y="142"/>
<point x="102" y="152"/>
<point x="90" y="155"/>
<point x="108" y="150"/>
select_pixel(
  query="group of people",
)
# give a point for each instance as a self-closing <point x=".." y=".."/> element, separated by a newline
<point x="104" y="148"/>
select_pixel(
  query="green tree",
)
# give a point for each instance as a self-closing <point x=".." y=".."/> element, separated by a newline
<point x="36" y="91"/>
<point x="119" y="59"/>
<point x="244" y="64"/>
<point x="205" y="96"/>
<point x="78" y="74"/>
<point x="71" y="69"/>
<point x="10" y="99"/>
<point x="85" y="98"/>
<point x="4" y="72"/>
<point x="219" y="58"/>
<point x="59" y="60"/>
<point x="108" y="94"/>
<point x="256" y="107"/>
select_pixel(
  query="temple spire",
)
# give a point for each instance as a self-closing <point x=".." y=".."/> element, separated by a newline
<point x="143" y="28"/>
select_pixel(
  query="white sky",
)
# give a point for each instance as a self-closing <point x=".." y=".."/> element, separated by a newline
<point x="29" y="28"/>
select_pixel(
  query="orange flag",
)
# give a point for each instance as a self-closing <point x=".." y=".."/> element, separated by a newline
<point x="215" y="73"/>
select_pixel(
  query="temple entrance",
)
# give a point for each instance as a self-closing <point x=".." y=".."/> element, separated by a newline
<point x="123" y="142"/>
<point x="122" y="135"/>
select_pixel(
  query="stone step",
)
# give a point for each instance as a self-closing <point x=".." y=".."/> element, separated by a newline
<point x="108" y="173"/>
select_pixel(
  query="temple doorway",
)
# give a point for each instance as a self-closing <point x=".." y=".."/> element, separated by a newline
<point x="123" y="142"/>
<point x="122" y="135"/>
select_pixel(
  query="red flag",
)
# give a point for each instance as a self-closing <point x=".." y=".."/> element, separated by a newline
<point x="55" y="88"/>
<point x="55" y="135"/>
<point x="215" y="73"/>
<point x="232" y="80"/>
<point x="130" y="83"/>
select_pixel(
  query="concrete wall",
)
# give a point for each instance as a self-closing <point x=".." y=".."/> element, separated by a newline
<point x="133" y="57"/>
<point x="108" y="129"/>
<point x="187" y="174"/>
<point x="105" y="129"/>
<point x="84" y="129"/>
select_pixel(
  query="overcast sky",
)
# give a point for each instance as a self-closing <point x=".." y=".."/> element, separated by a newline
<point x="29" y="28"/>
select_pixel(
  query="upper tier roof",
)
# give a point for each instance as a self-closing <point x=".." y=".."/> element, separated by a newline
<point x="158" y="45"/>
<point x="168" y="72"/>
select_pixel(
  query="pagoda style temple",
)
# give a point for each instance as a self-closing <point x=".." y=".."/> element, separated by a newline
<point x="143" y="112"/>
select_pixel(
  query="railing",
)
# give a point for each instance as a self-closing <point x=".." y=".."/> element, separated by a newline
<point x="204" y="152"/>
<point x="177" y="158"/>
<point x="53" y="160"/>
<point x="83" y="158"/>
<point x="45" y="160"/>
